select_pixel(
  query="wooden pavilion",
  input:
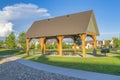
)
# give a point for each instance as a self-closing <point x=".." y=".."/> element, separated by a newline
<point x="81" y="25"/>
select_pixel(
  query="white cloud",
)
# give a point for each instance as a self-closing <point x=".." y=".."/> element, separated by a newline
<point x="20" y="16"/>
<point x="5" y="28"/>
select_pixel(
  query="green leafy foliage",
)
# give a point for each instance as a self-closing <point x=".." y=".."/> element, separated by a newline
<point x="32" y="46"/>
<point x="107" y="43"/>
<point x="1" y="43"/>
<point x="66" y="46"/>
<point x="10" y="41"/>
<point x="51" y="46"/>
<point x="55" y="45"/>
<point x="21" y="40"/>
<point x="38" y="46"/>
<point x="79" y="41"/>
<point x="116" y="42"/>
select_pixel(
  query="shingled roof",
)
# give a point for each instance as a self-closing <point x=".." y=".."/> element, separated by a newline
<point x="64" y="25"/>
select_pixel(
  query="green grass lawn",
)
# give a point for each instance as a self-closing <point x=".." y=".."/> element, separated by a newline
<point x="0" y="58"/>
<point x="108" y="65"/>
<point x="4" y="52"/>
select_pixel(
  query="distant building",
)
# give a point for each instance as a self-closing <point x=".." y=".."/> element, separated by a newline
<point x="89" y="44"/>
<point x="111" y="42"/>
<point x="100" y="43"/>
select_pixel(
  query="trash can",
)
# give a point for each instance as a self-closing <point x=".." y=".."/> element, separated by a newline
<point x="94" y="52"/>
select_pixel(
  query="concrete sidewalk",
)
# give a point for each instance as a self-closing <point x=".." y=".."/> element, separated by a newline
<point x="68" y="72"/>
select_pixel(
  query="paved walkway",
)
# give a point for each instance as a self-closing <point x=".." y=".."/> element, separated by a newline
<point x="64" y="71"/>
<point x="8" y="59"/>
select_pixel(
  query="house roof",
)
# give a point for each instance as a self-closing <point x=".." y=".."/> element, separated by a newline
<point x="64" y="25"/>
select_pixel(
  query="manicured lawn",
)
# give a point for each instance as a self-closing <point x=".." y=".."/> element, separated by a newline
<point x="108" y="65"/>
<point x="0" y="58"/>
<point x="4" y="52"/>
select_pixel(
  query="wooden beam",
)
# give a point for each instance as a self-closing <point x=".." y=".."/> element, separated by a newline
<point x="27" y="46"/>
<point x="90" y="33"/>
<point x="43" y="45"/>
<point x="95" y="41"/>
<point x="75" y="48"/>
<point x="75" y="45"/>
<point x="57" y="44"/>
<point x="60" y="44"/>
<point x="83" y="37"/>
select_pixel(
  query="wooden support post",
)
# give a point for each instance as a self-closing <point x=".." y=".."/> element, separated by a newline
<point x="27" y="46"/>
<point x="43" y="45"/>
<point x="75" y="48"/>
<point x="95" y="42"/>
<point x="74" y="45"/>
<point x="83" y="36"/>
<point x="60" y="44"/>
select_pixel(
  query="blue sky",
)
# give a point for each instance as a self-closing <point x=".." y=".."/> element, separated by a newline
<point x="107" y="14"/>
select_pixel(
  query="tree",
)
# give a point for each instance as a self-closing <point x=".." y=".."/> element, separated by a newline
<point x="10" y="41"/>
<point x="107" y="43"/>
<point x="38" y="46"/>
<point x="116" y="42"/>
<point x="32" y="46"/>
<point x="78" y="41"/>
<point x="69" y="46"/>
<point x="21" y="40"/>
<point x="1" y="43"/>
<point x="49" y="46"/>
<point x="55" y="45"/>
<point x="64" y="45"/>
